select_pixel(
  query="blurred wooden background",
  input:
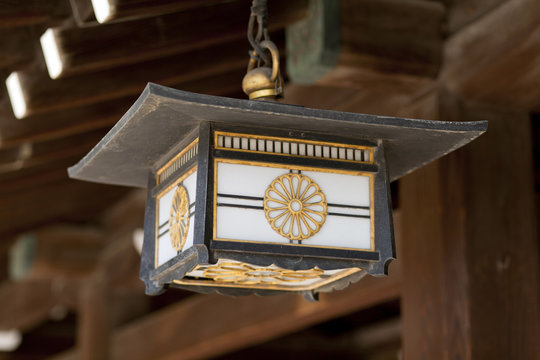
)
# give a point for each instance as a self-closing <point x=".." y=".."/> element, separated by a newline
<point x="466" y="284"/>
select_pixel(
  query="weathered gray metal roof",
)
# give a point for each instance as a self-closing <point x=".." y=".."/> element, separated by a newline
<point x="162" y="117"/>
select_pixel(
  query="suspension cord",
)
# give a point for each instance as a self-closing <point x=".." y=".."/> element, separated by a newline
<point x="259" y="14"/>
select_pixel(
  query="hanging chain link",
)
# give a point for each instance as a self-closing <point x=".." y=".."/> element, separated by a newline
<point x="259" y="14"/>
<point x="262" y="80"/>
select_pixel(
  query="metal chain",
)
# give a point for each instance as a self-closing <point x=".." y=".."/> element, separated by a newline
<point x="259" y="13"/>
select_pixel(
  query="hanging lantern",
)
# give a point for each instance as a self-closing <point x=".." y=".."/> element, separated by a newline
<point x="260" y="197"/>
<point x="254" y="196"/>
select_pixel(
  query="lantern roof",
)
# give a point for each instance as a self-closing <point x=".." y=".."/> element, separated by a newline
<point x="162" y="117"/>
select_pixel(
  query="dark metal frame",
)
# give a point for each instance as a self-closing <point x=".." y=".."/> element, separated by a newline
<point x="207" y="250"/>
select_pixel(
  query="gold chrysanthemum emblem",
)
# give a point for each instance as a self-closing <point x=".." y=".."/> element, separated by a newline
<point x="245" y="274"/>
<point x="295" y="206"/>
<point x="179" y="218"/>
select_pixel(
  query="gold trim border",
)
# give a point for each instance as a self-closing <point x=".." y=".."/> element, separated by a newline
<point x="338" y="276"/>
<point x="305" y="168"/>
<point x="159" y="196"/>
<point x="371" y="149"/>
<point x="176" y="157"/>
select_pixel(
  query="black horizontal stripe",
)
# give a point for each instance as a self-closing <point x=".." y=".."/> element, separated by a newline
<point x="163" y="233"/>
<point x="167" y="223"/>
<point x="349" y="206"/>
<point x="349" y="215"/>
<point x="240" y="197"/>
<point x="241" y="206"/>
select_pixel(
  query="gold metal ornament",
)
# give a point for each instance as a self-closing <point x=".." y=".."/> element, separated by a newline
<point x="179" y="218"/>
<point x="295" y="206"/>
<point x="245" y="274"/>
<point x="263" y="82"/>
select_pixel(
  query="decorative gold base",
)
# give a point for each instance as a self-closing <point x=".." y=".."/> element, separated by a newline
<point x="266" y="94"/>
<point x="236" y="274"/>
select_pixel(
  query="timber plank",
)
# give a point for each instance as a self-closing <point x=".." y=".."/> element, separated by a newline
<point x="461" y="13"/>
<point x="470" y="258"/>
<point x="14" y="13"/>
<point x="497" y="58"/>
<point x="112" y="45"/>
<point x="34" y="154"/>
<point x="39" y="89"/>
<point x="17" y="46"/>
<point x="122" y="10"/>
<point x="393" y="35"/>
<point x="40" y="127"/>
<point x="66" y="200"/>
<point x="29" y="302"/>
<point x="359" y="90"/>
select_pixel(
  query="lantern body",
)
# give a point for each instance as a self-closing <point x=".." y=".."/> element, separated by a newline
<point x="277" y="210"/>
<point x="259" y="197"/>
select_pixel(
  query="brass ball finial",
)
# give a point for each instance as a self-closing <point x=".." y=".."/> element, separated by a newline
<point x="263" y="82"/>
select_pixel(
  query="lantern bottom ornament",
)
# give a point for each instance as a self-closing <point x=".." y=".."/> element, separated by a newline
<point x="252" y="197"/>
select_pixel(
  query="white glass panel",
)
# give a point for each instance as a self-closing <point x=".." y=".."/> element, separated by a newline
<point x="228" y="142"/>
<point x="261" y="145"/>
<point x="310" y="150"/>
<point x="239" y="201"/>
<point x="245" y="224"/>
<point x="302" y="149"/>
<point x="358" y="155"/>
<point x="343" y="193"/>
<point x="350" y="154"/>
<point x="286" y="148"/>
<point x="348" y="210"/>
<point x="318" y="150"/>
<point x="326" y="151"/>
<point x="366" y="155"/>
<point x="341" y="188"/>
<point x="342" y="153"/>
<point x="165" y="249"/>
<point x="333" y="152"/>
<point x="236" y="143"/>
<point x="253" y="144"/>
<point x="246" y="180"/>
<point x="245" y="145"/>
<point x="345" y="232"/>
<point x="294" y="148"/>
<point x="269" y="146"/>
<point x="277" y="147"/>
<point x="220" y="140"/>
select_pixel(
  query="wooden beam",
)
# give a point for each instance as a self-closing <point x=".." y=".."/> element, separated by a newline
<point x="29" y="155"/>
<point x="470" y="254"/>
<point x="461" y="13"/>
<point x="357" y="89"/>
<point x="94" y="326"/>
<point x="42" y="94"/>
<point x="76" y="50"/>
<point x="122" y="10"/>
<point x="15" y="13"/>
<point x="58" y="124"/>
<point x="393" y="35"/>
<point x="17" y="46"/>
<point x="73" y="200"/>
<point x="66" y="251"/>
<point x="496" y="59"/>
<point x="27" y="303"/>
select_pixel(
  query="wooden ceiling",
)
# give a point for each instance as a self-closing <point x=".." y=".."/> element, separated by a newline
<point x="397" y="57"/>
